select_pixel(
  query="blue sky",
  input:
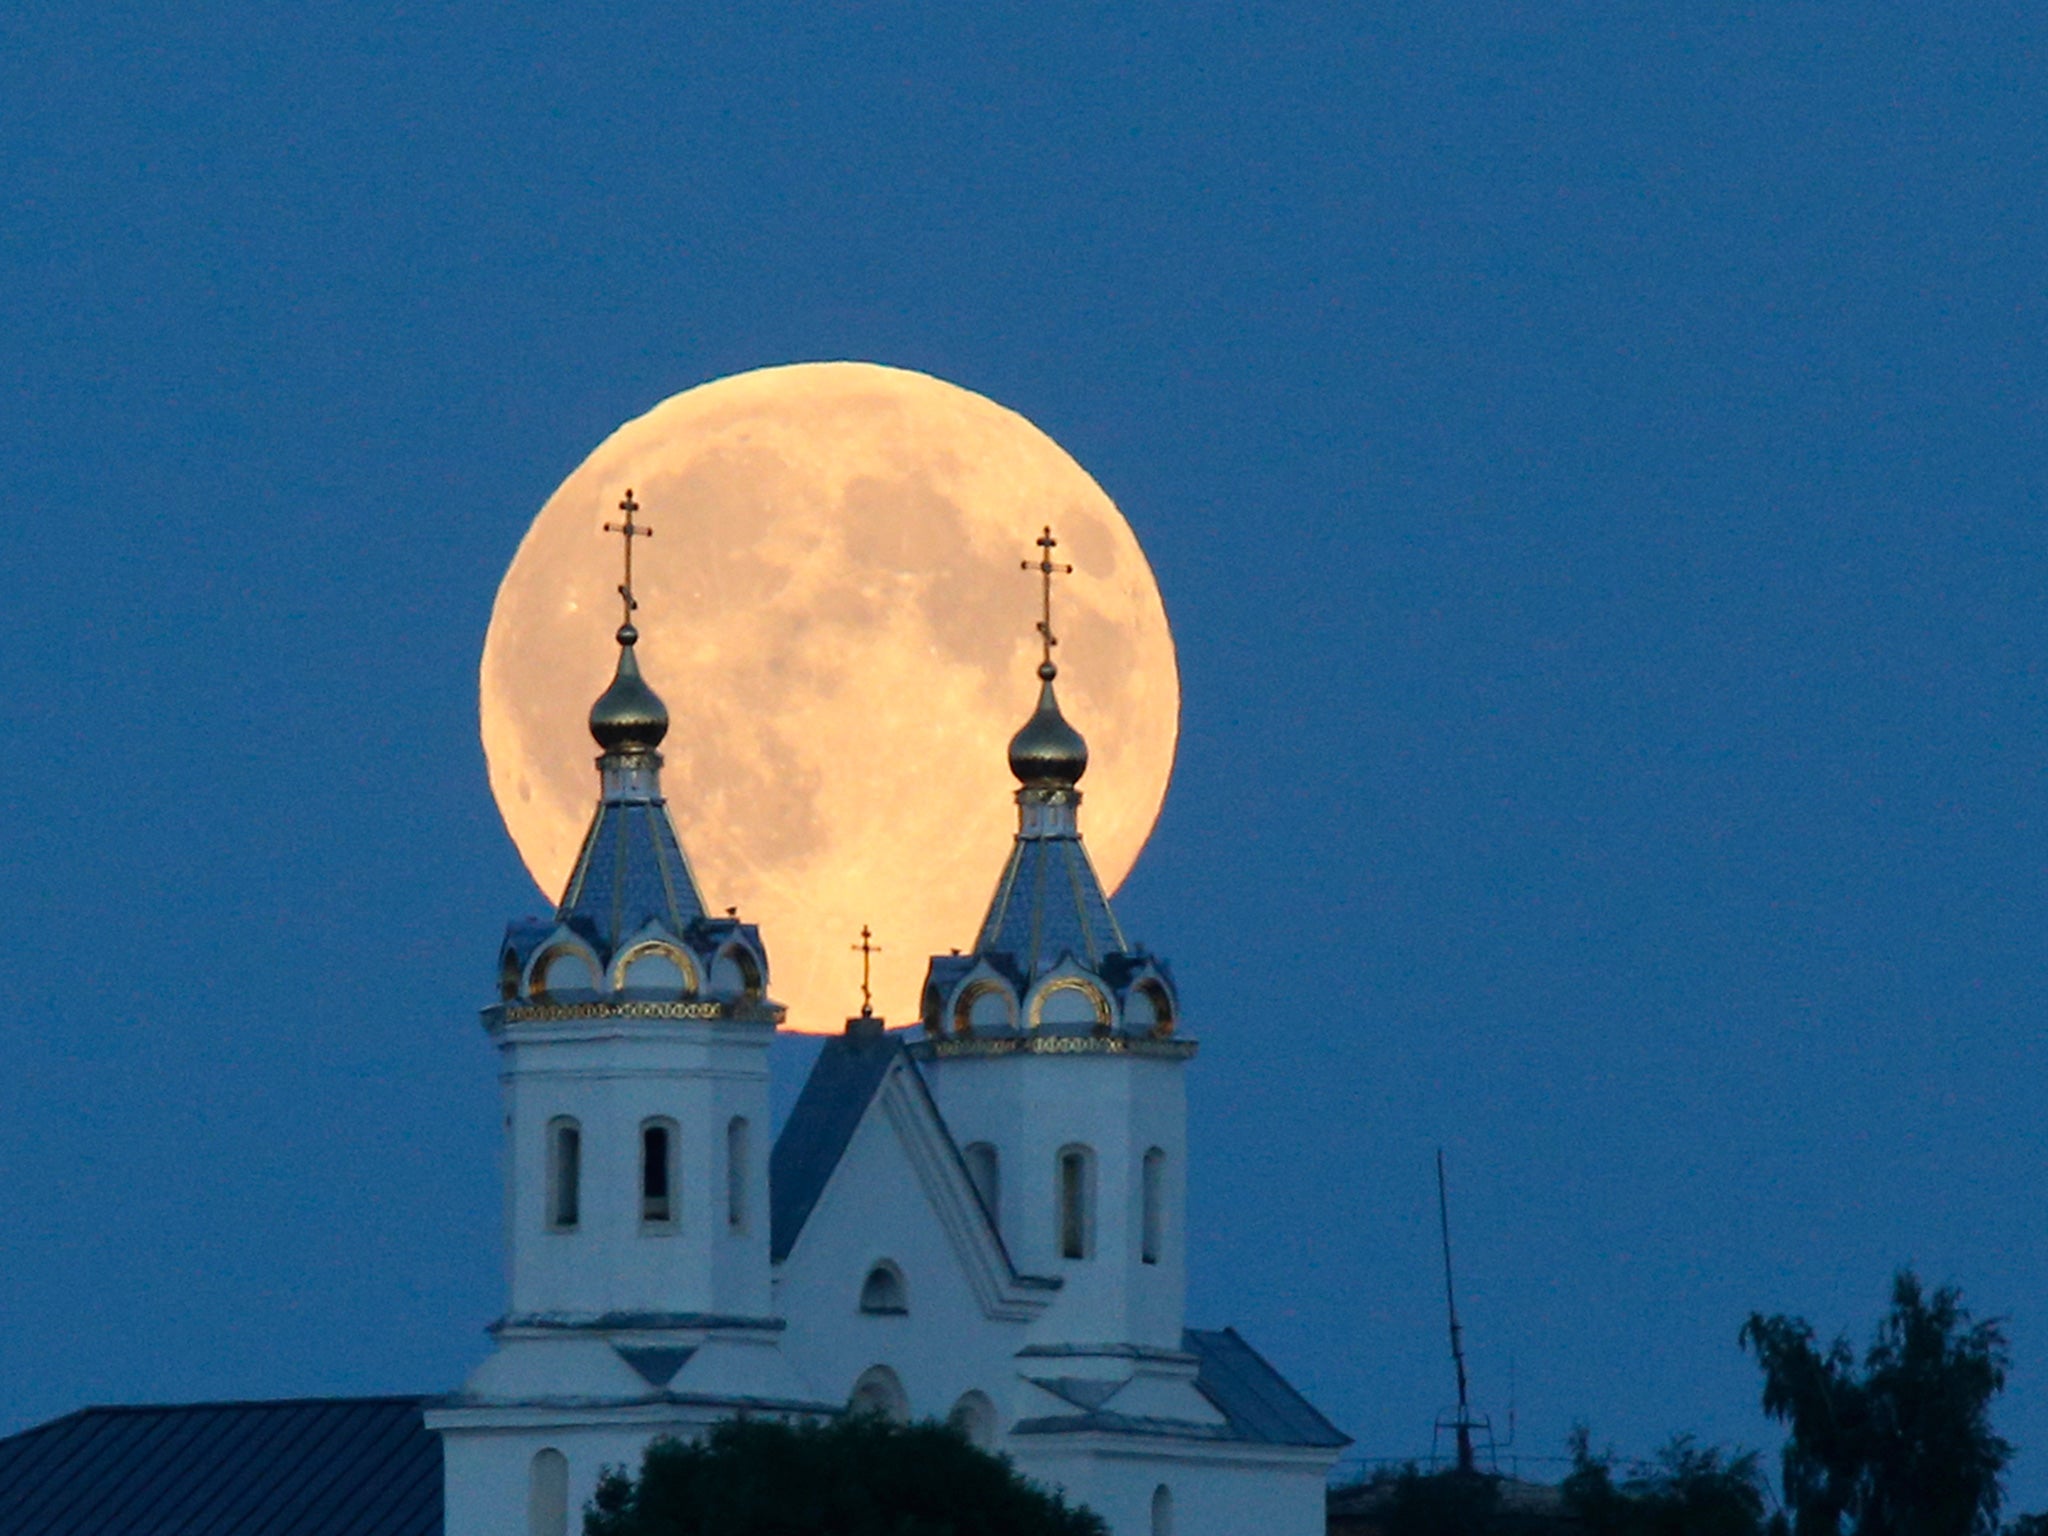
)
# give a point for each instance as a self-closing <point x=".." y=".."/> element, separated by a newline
<point x="1592" y="460"/>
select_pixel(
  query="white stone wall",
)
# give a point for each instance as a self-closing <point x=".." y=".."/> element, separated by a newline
<point x="1030" y="1106"/>
<point x="897" y="1196"/>
<point x="1211" y="1493"/>
<point x="611" y="1076"/>
<point x="488" y="1477"/>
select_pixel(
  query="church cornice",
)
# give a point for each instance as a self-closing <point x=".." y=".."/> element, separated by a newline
<point x="657" y="1409"/>
<point x="632" y="1322"/>
<point x="1117" y="1433"/>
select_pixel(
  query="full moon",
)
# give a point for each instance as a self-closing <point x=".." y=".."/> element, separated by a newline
<point x="833" y="608"/>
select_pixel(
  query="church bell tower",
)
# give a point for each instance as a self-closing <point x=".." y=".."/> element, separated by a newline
<point x="1053" y="1052"/>
<point x="632" y="1031"/>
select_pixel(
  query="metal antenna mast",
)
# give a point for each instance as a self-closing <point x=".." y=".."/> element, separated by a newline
<point x="1463" y="1425"/>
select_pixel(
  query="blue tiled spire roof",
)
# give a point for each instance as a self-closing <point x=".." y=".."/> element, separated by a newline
<point x="632" y="871"/>
<point x="1049" y="905"/>
<point x="632" y="892"/>
<point x="1049" y="928"/>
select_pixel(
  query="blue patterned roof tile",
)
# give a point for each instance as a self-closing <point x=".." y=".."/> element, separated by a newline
<point x="632" y="871"/>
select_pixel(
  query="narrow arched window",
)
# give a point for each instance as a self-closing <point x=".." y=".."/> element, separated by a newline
<point x="547" y="1494"/>
<point x="883" y="1292"/>
<point x="985" y="1172"/>
<point x="1152" y="1229"/>
<point x="565" y="1174"/>
<point x="658" y="1200"/>
<point x="1162" y="1511"/>
<point x="880" y="1391"/>
<point x="1076" y="1225"/>
<point x="974" y="1416"/>
<point x="736" y="1173"/>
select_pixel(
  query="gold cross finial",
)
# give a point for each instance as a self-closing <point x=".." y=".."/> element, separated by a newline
<point x="868" y="950"/>
<point x="1047" y="568"/>
<point x="629" y="531"/>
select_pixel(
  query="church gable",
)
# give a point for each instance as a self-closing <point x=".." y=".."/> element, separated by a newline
<point x="865" y="1087"/>
<point x="828" y="1111"/>
<point x="896" y="1294"/>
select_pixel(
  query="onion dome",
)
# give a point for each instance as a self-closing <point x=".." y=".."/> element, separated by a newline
<point x="1048" y="753"/>
<point x="628" y="716"/>
<point x="1050" y="957"/>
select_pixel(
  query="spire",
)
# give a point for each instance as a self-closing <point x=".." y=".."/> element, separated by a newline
<point x="1048" y="753"/>
<point x="628" y="717"/>
<point x="632" y="870"/>
<point x="631" y="930"/>
<point x="1049" y="900"/>
<point x="1049" y="926"/>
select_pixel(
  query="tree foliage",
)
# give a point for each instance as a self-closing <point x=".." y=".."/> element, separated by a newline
<point x="857" y="1476"/>
<point x="1690" y="1490"/>
<point x="1450" y="1503"/>
<point x="1901" y="1443"/>
<point x="1687" y="1491"/>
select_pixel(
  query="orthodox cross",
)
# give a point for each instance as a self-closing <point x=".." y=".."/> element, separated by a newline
<point x="629" y="531"/>
<point x="867" y="951"/>
<point x="1047" y="568"/>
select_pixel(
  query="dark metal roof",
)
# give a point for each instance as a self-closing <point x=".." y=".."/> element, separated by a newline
<point x="1254" y="1397"/>
<point x="632" y="871"/>
<point x="1256" y="1402"/>
<point x="848" y="1071"/>
<point x="1049" y="905"/>
<point x="363" y="1466"/>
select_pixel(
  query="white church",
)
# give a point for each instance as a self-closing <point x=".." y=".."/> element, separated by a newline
<point x="979" y="1218"/>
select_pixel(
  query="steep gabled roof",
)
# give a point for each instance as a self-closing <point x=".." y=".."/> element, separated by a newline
<point x="828" y="1111"/>
<point x="312" y="1467"/>
<point x="852" y="1082"/>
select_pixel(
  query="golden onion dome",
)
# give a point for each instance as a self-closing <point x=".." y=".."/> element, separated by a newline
<point x="1048" y="753"/>
<point x="628" y="716"/>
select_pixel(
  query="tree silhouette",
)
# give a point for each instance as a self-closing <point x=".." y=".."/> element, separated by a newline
<point x="1691" y="1490"/>
<point x="857" y="1476"/>
<point x="1901" y="1445"/>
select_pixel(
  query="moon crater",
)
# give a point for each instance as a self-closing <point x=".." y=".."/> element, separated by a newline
<point x="833" y="609"/>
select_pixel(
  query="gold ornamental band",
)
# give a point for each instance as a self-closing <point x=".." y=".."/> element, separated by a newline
<point x="547" y="1013"/>
<point x="1056" y="1045"/>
